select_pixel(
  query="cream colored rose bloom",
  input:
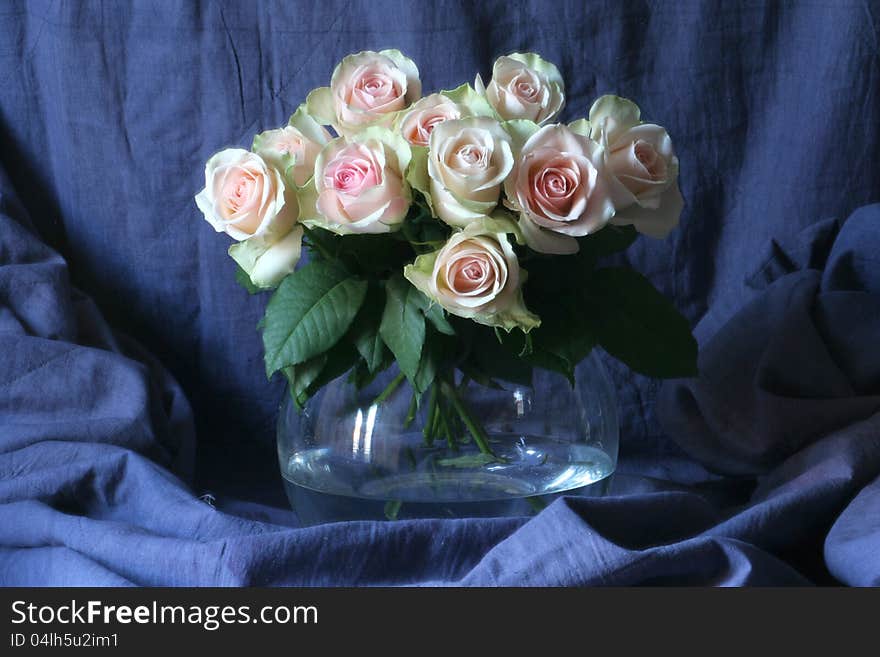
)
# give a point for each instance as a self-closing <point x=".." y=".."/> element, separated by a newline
<point x="294" y="148"/>
<point x="421" y="119"/>
<point x="476" y="275"/>
<point x="468" y="160"/>
<point x="245" y="197"/>
<point x="367" y="89"/>
<point x="417" y="123"/>
<point x="642" y="167"/>
<point x="560" y="189"/>
<point x="267" y="264"/>
<point x="359" y="184"/>
<point x="524" y="86"/>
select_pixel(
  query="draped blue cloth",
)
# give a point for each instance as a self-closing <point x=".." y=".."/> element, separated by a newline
<point x="130" y="377"/>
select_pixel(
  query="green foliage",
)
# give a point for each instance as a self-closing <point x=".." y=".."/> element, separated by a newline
<point x="636" y="324"/>
<point x="365" y="330"/>
<point x="403" y="324"/>
<point x="618" y="308"/>
<point x="351" y="310"/>
<point x="242" y="278"/>
<point x="308" y="314"/>
<point x="495" y="356"/>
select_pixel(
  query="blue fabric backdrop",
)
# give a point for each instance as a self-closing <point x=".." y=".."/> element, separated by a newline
<point x="130" y="376"/>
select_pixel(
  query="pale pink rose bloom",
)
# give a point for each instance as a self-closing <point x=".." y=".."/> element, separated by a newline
<point x="475" y="275"/>
<point x="290" y="152"/>
<point x="468" y="161"/>
<point x="420" y="121"/>
<point x="369" y="87"/>
<point x="245" y="197"/>
<point x="560" y="188"/>
<point x="643" y="170"/>
<point x="642" y="167"/>
<point x="360" y="188"/>
<point x="524" y="86"/>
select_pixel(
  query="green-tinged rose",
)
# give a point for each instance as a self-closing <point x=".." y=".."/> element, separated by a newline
<point x="294" y="148"/>
<point x="524" y="86"/>
<point x="417" y="123"/>
<point x="268" y="264"/>
<point x="476" y="275"/>
<point x="246" y="198"/>
<point x="641" y="165"/>
<point x="467" y="162"/>
<point x="367" y="89"/>
<point x="359" y="185"/>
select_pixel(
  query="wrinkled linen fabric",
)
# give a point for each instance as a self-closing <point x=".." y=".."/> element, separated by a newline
<point x="130" y="373"/>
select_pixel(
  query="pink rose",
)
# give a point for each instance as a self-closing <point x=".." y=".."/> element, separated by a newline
<point x="468" y="161"/>
<point x="367" y="88"/>
<point x="641" y="164"/>
<point x="641" y="161"/>
<point x="524" y="86"/>
<point x="476" y="275"/>
<point x="423" y="117"/>
<point x="246" y="198"/>
<point x="359" y="183"/>
<point x="294" y="148"/>
<point x="560" y="189"/>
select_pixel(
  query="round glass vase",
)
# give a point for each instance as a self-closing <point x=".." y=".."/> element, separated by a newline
<point x="362" y="454"/>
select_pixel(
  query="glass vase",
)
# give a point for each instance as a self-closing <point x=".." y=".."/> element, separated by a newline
<point x="366" y="454"/>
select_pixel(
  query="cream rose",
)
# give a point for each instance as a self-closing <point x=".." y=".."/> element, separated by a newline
<point x="421" y="119"/>
<point x="245" y="197"/>
<point x="560" y="189"/>
<point x="266" y="264"/>
<point x="366" y="89"/>
<point x="476" y="275"/>
<point x="359" y="185"/>
<point x="642" y="167"/>
<point x="524" y="86"/>
<point x="468" y="160"/>
<point x="417" y="123"/>
<point x="294" y="148"/>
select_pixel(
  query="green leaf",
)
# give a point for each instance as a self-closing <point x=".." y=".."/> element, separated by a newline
<point x="242" y="278"/>
<point x="301" y="376"/>
<point x="392" y="508"/>
<point x="495" y="355"/>
<point x="365" y="330"/>
<point x="425" y="374"/>
<point x="468" y="461"/>
<point x="557" y="292"/>
<point x="546" y="359"/>
<point x="566" y="333"/>
<point x="638" y="325"/>
<point x="340" y="359"/>
<point x="403" y="324"/>
<point x="311" y="310"/>
<point x="372" y="253"/>
<point x="610" y="239"/>
<point x="434" y="354"/>
<point x="434" y="313"/>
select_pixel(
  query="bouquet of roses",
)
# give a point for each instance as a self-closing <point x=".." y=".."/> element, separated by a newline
<point x="460" y="231"/>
